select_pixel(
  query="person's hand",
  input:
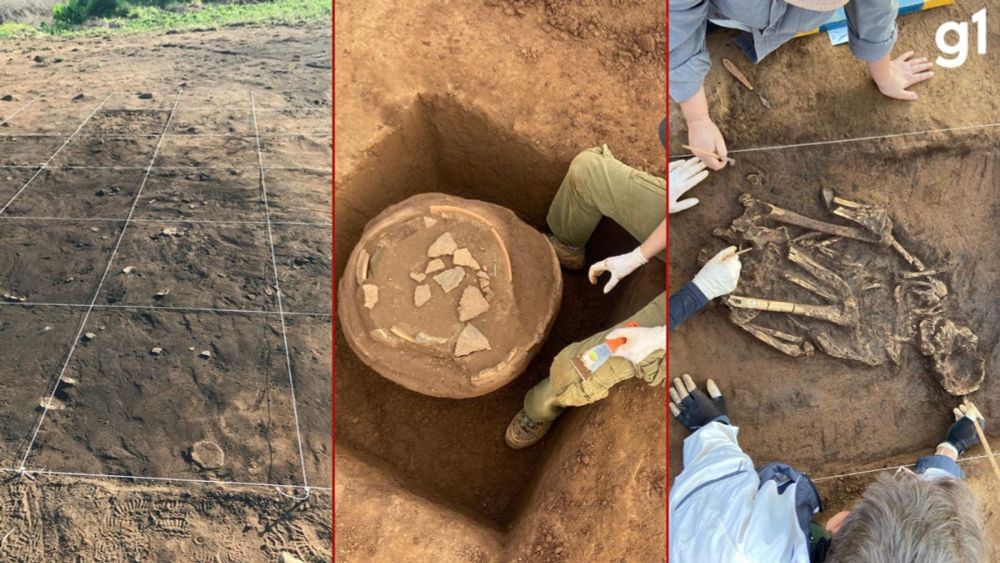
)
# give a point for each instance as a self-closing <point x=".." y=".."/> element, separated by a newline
<point x="684" y="175"/>
<point x="962" y="435"/>
<point x="640" y="342"/>
<point x="618" y="266"/>
<point x="692" y="407"/>
<point x="893" y="77"/>
<point x="704" y="135"/>
<point x="720" y="275"/>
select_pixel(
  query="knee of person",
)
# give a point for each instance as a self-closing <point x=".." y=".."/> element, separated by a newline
<point x="583" y="166"/>
<point x="906" y="518"/>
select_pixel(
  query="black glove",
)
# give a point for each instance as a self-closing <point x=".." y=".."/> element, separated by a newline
<point x="692" y="407"/>
<point x="962" y="435"/>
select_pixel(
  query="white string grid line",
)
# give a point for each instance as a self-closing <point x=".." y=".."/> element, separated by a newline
<point x="97" y="293"/>
<point x="182" y="221"/>
<point x="127" y="136"/>
<point x="43" y="472"/>
<point x="281" y="309"/>
<point x="51" y="158"/>
<point x="122" y="109"/>
<point x="895" y="468"/>
<point x="157" y="168"/>
<point x="18" y="110"/>
<point x="167" y="308"/>
<point x="855" y="139"/>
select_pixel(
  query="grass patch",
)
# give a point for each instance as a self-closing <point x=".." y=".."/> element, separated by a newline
<point x="13" y="30"/>
<point x="100" y="17"/>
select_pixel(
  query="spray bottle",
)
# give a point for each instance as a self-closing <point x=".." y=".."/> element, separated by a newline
<point x="592" y="360"/>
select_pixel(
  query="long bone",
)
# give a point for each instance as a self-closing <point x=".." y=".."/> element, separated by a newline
<point x="873" y="219"/>
<point x="831" y="313"/>
<point x="791" y="344"/>
<point x="792" y="218"/>
<point x="846" y="313"/>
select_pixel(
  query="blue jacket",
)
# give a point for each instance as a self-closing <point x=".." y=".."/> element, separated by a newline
<point x="686" y="302"/>
<point x="871" y="28"/>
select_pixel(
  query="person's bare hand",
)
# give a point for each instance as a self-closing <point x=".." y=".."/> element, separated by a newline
<point x="893" y="77"/>
<point x="704" y="136"/>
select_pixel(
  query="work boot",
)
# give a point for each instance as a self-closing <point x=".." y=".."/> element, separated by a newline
<point x="570" y="257"/>
<point x="522" y="432"/>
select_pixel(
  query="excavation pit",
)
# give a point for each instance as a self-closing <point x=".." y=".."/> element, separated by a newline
<point x="446" y="459"/>
<point x="451" y="297"/>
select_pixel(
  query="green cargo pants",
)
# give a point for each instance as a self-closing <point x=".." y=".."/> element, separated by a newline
<point x="597" y="185"/>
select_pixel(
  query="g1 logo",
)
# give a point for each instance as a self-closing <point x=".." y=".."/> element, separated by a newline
<point x="959" y="51"/>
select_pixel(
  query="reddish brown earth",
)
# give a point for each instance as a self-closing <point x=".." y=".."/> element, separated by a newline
<point x="187" y="344"/>
<point x="491" y="101"/>
<point x="823" y="415"/>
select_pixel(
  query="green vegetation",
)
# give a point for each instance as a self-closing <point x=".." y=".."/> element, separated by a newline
<point x="98" y="17"/>
<point x="16" y="30"/>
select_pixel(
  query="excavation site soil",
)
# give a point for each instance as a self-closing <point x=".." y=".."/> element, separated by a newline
<point x="808" y="389"/>
<point x="490" y="101"/>
<point x="166" y="273"/>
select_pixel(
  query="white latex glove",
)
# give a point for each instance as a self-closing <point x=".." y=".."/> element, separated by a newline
<point x="719" y="275"/>
<point x="640" y="342"/>
<point x="618" y="266"/>
<point x="704" y="134"/>
<point x="684" y="175"/>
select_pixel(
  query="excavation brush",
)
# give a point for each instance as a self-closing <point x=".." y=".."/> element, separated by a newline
<point x="982" y="438"/>
<point x="742" y="78"/>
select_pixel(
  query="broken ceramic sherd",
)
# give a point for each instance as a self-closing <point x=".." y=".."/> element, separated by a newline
<point x="472" y="304"/>
<point x="470" y="340"/>
<point x="463" y="257"/>
<point x="421" y="295"/>
<point x="443" y="246"/>
<point x="450" y="279"/>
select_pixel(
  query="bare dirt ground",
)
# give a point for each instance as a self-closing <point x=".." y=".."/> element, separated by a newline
<point x="827" y="416"/>
<point x="186" y="341"/>
<point x="491" y="100"/>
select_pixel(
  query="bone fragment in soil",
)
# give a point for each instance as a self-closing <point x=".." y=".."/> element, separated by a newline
<point x="830" y="313"/>
<point x="52" y="404"/>
<point x="790" y="344"/>
<point x="792" y="218"/>
<point x="423" y="338"/>
<point x="13" y="297"/>
<point x="371" y="295"/>
<point x="953" y="350"/>
<point x="362" y="269"/>
<point x="874" y="219"/>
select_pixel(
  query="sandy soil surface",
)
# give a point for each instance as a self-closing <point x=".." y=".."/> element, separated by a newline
<point x="816" y="413"/>
<point x="185" y="344"/>
<point x="491" y="101"/>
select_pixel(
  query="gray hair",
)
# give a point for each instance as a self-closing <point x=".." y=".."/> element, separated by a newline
<point x="904" y="518"/>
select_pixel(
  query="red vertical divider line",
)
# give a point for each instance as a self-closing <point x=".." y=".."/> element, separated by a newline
<point x="333" y="277"/>
<point x="666" y="353"/>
